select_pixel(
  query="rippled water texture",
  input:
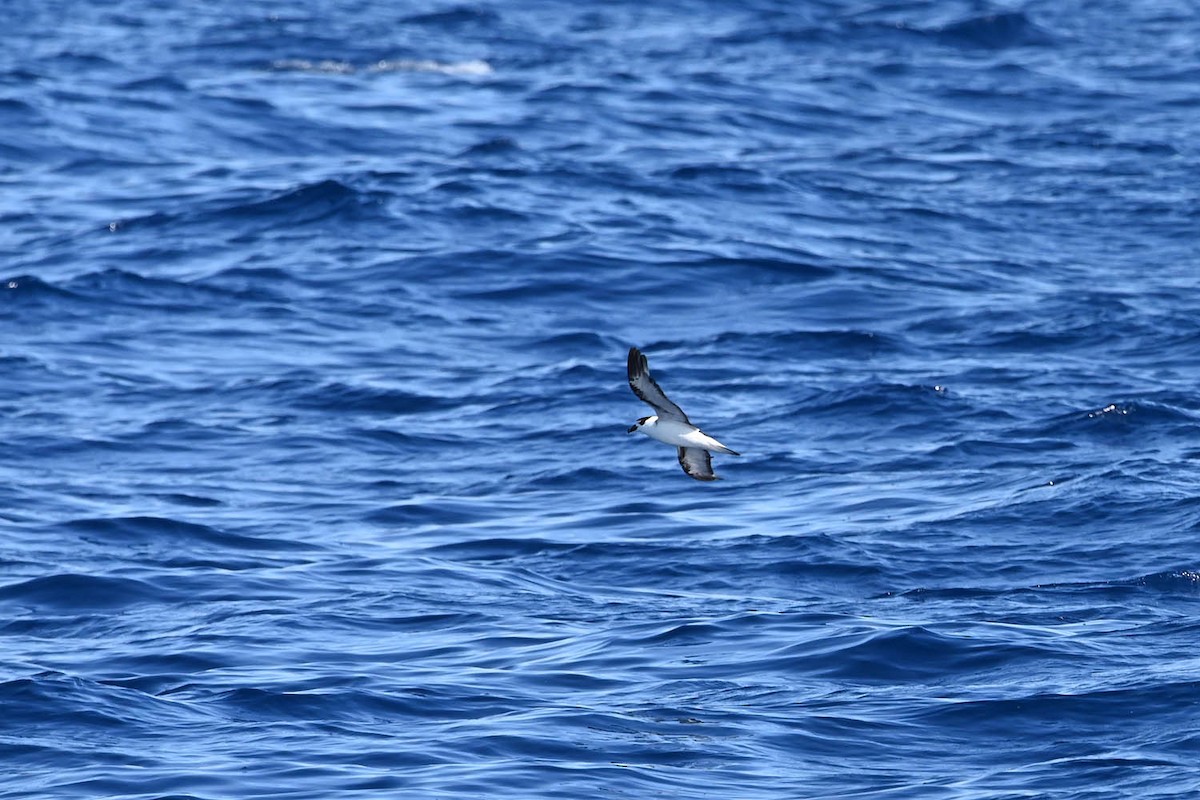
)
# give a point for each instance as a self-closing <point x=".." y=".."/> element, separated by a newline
<point x="314" y="478"/>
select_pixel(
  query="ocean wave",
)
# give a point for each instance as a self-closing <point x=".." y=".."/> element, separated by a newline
<point x="994" y="32"/>
<point x="74" y="592"/>
<point x="177" y="535"/>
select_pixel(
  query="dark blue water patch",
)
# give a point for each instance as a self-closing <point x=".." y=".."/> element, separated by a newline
<point x="15" y="114"/>
<point x="1063" y="712"/>
<point x="463" y="15"/>
<point x="115" y="291"/>
<point x="575" y="341"/>
<point x="89" y="710"/>
<point x="26" y="291"/>
<point x="178" y="535"/>
<point x="499" y="146"/>
<point x="170" y="434"/>
<point x="782" y="567"/>
<point x="894" y="406"/>
<point x="1086" y="612"/>
<point x="500" y="274"/>
<point x="500" y="549"/>
<point x="1001" y="450"/>
<point x="301" y="206"/>
<point x="24" y="375"/>
<point x="437" y="513"/>
<point x="308" y="703"/>
<point x="525" y="289"/>
<point x="909" y="654"/>
<point x="793" y="267"/>
<point x="566" y="479"/>
<point x="1115" y="421"/>
<point x="72" y="61"/>
<point x="80" y="593"/>
<point x="1108" y="322"/>
<point x="122" y="288"/>
<point x="390" y="442"/>
<point x="345" y="399"/>
<point x="252" y="281"/>
<point x="812" y="343"/>
<point x="1183" y="583"/>
<point x="253" y="210"/>
<point x="723" y="177"/>
<point x="98" y="164"/>
<point x="994" y="32"/>
<point x="1088" y="142"/>
<point x="155" y="83"/>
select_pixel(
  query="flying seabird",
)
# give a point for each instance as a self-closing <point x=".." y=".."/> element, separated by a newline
<point x="671" y="426"/>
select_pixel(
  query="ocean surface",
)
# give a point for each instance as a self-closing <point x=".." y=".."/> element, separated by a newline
<point x="314" y="474"/>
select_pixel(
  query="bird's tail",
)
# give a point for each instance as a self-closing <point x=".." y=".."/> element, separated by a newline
<point x="717" y="447"/>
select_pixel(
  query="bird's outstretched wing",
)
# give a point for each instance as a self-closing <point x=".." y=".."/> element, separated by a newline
<point x="697" y="462"/>
<point x="650" y="392"/>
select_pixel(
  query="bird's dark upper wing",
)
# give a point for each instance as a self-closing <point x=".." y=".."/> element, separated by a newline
<point x="697" y="462"/>
<point x="645" y="387"/>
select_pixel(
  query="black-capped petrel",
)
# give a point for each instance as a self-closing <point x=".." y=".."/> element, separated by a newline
<point x="671" y="426"/>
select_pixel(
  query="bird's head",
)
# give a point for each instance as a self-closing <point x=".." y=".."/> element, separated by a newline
<point x="638" y="425"/>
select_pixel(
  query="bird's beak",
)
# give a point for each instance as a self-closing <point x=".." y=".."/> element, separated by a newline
<point x="632" y="428"/>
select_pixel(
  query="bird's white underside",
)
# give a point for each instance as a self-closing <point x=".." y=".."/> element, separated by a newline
<point x="680" y="434"/>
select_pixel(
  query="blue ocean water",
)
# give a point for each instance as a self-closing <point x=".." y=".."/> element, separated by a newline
<point x="314" y="478"/>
